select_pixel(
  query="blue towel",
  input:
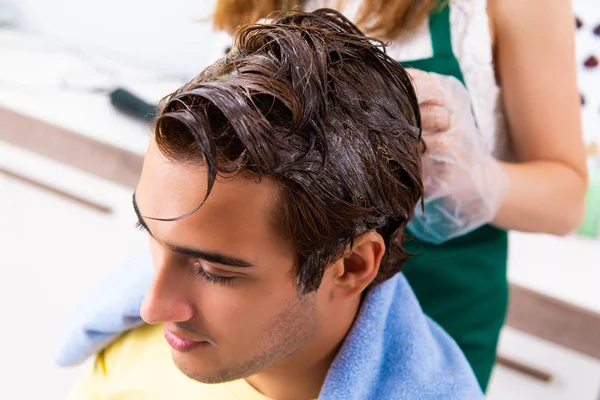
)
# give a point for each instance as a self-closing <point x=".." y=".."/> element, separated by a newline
<point x="393" y="350"/>
<point x="111" y="308"/>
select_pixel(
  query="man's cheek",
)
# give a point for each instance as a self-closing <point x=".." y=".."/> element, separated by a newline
<point x="232" y="314"/>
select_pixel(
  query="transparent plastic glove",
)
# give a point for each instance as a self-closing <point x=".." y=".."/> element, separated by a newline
<point x="464" y="184"/>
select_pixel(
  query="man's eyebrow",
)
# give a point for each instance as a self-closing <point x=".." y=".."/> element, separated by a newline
<point x="212" y="257"/>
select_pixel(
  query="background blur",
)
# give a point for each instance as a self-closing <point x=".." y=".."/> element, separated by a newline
<point x="69" y="159"/>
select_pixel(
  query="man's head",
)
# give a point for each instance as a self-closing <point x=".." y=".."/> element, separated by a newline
<point x="275" y="190"/>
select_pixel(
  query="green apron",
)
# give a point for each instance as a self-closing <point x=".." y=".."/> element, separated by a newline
<point x="461" y="284"/>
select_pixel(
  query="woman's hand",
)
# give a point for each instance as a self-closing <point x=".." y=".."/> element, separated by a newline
<point x="464" y="184"/>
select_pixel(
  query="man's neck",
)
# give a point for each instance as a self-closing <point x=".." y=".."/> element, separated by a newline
<point x="301" y="376"/>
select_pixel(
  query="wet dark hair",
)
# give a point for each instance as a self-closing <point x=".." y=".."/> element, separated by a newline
<point x="311" y="103"/>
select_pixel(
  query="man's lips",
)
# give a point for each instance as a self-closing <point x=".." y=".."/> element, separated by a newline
<point x="180" y="344"/>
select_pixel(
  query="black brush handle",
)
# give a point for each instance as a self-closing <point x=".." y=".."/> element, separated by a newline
<point x="132" y="105"/>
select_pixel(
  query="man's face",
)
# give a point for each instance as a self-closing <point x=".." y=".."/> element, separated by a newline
<point x="224" y="284"/>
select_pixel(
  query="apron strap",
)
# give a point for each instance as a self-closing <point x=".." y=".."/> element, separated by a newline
<point x="439" y="29"/>
<point x="444" y="61"/>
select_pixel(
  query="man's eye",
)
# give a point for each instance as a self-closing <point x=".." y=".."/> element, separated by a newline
<point x="211" y="278"/>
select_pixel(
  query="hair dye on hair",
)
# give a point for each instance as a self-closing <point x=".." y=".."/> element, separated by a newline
<point x="311" y="103"/>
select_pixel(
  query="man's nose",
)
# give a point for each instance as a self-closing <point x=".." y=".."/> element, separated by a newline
<point x="166" y="300"/>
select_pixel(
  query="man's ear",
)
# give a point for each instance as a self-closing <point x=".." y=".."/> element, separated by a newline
<point x="359" y="264"/>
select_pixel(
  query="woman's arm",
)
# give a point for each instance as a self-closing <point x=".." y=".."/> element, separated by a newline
<point x="535" y="65"/>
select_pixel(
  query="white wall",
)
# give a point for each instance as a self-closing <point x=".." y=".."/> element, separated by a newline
<point x="157" y="35"/>
<point x="588" y="44"/>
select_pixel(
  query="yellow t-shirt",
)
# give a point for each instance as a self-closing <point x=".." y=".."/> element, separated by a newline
<point x="139" y="366"/>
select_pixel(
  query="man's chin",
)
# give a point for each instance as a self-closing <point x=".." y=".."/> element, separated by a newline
<point x="195" y="369"/>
